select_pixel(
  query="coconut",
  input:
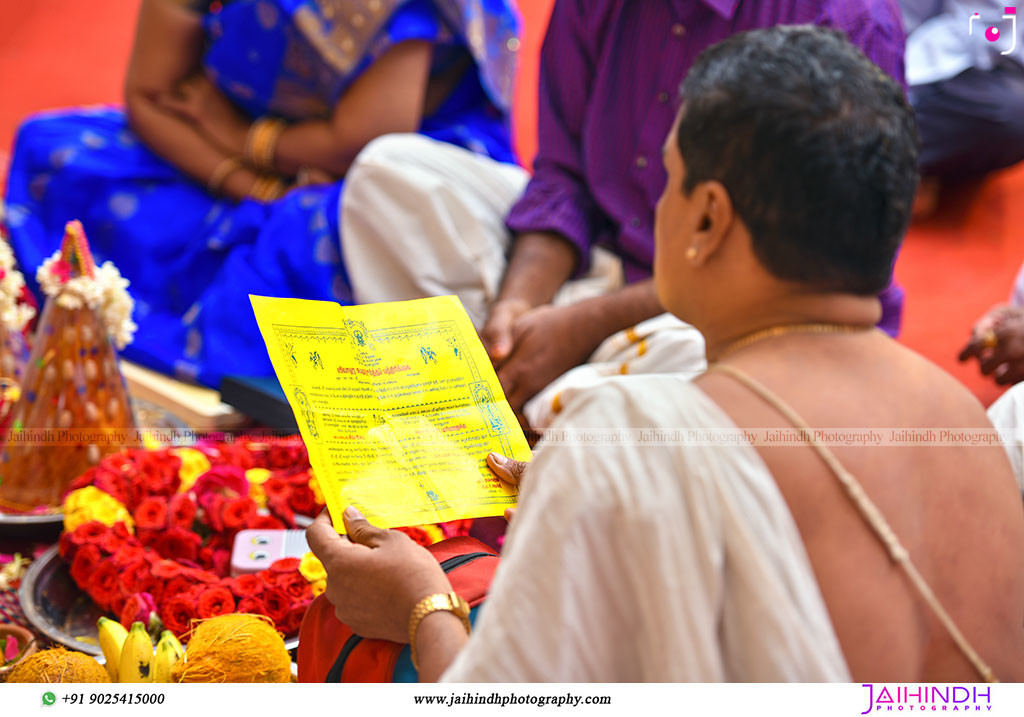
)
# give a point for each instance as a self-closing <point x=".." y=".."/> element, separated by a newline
<point x="234" y="648"/>
<point x="58" y="665"/>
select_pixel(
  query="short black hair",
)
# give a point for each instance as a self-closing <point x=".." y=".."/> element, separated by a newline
<point x="816" y="146"/>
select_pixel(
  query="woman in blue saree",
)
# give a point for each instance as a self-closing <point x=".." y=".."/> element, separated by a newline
<point x="223" y="175"/>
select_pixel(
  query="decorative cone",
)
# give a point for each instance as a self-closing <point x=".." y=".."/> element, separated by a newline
<point x="15" y="314"/>
<point x="73" y="407"/>
<point x="13" y="357"/>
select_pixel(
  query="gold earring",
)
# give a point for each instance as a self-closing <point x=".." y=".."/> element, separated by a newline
<point x="691" y="253"/>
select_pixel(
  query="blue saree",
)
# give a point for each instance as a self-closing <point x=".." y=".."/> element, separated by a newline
<point x="193" y="258"/>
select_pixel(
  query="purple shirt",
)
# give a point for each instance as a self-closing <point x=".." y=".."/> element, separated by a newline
<point x="609" y="92"/>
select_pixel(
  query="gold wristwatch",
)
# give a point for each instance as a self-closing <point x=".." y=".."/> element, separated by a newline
<point x="449" y="602"/>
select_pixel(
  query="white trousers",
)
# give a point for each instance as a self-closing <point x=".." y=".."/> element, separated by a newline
<point x="425" y="218"/>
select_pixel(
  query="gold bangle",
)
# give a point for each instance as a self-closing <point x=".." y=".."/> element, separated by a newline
<point x="221" y="173"/>
<point x="449" y="602"/>
<point x="258" y="187"/>
<point x="261" y="142"/>
<point x="267" y="188"/>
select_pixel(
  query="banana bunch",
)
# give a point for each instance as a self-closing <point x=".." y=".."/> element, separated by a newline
<point x="129" y="653"/>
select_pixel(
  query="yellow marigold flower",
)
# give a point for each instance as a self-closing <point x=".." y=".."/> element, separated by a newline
<point x="149" y="441"/>
<point x="311" y="568"/>
<point x="257" y="493"/>
<point x="257" y="476"/>
<point x="435" y="533"/>
<point x="193" y="465"/>
<point x="314" y="485"/>
<point x="91" y="503"/>
<point x="318" y="587"/>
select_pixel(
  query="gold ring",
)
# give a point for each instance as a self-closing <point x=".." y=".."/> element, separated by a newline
<point x="989" y="339"/>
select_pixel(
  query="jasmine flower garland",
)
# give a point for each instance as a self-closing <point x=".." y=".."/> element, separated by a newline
<point x="106" y="292"/>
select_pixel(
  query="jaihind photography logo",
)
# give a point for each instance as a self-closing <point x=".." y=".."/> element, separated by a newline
<point x="994" y="33"/>
<point x="927" y="698"/>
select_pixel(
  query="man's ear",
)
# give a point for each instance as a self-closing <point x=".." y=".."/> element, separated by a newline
<point x="715" y="217"/>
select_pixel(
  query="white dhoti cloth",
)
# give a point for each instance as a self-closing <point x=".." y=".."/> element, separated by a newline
<point x="425" y="218"/>
<point x="651" y="563"/>
<point x="1007" y="415"/>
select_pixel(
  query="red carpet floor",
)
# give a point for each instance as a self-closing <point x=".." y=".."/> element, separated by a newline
<point x="56" y="53"/>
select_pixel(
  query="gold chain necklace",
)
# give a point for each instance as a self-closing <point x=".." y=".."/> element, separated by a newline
<point x="783" y="329"/>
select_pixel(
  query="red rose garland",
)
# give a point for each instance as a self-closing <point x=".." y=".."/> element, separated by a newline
<point x="175" y="566"/>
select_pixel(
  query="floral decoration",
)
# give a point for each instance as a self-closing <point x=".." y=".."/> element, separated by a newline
<point x="148" y="533"/>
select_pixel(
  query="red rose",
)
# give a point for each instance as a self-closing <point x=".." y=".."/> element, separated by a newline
<point x="221" y="540"/>
<point x="111" y="483"/>
<point x="234" y="455"/>
<point x="279" y="508"/>
<point x="252" y="605"/>
<point x="278" y="604"/>
<point x="150" y="538"/>
<point x="193" y="593"/>
<point x="128" y="553"/>
<point x="418" y="535"/>
<point x="221" y="561"/>
<point x="103" y="584"/>
<point x="66" y="547"/>
<point x="202" y="576"/>
<point x="140" y="607"/>
<point x="84" y="565"/>
<point x="213" y="508"/>
<point x="153" y="586"/>
<point x="110" y="542"/>
<point x="205" y="557"/>
<point x="282" y="456"/>
<point x="269" y="579"/>
<point x="277" y="489"/>
<point x="158" y="472"/>
<point x="246" y="585"/>
<point x="266" y="522"/>
<point x="178" y="544"/>
<point x="456" y="528"/>
<point x="303" y="500"/>
<point x="297" y="478"/>
<point x="293" y="621"/>
<point x="177" y="614"/>
<point x="118" y="603"/>
<point x="284" y="565"/>
<point x="151" y="513"/>
<point x="236" y="513"/>
<point x="83" y="480"/>
<point x="227" y="481"/>
<point x="91" y="532"/>
<point x="182" y="511"/>
<point x="216" y="601"/>
<point x="133" y="574"/>
<point x="121" y="530"/>
<point x="176" y="586"/>
<point x="166" y="569"/>
<point x="296" y="586"/>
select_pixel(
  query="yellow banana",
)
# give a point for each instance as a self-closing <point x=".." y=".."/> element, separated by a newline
<point x="165" y="660"/>
<point x="168" y="652"/>
<point x="136" y="655"/>
<point x="112" y="636"/>
<point x="169" y="637"/>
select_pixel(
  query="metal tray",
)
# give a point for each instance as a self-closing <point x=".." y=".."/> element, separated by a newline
<point x="46" y="527"/>
<point x="59" y="610"/>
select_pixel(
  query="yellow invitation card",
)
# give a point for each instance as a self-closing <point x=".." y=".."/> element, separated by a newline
<point x="398" y="405"/>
